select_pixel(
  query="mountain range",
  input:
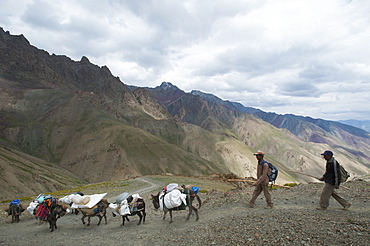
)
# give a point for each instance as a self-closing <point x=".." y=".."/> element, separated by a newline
<point x="82" y="121"/>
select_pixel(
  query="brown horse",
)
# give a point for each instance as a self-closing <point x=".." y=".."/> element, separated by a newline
<point x="99" y="210"/>
<point x="190" y="198"/>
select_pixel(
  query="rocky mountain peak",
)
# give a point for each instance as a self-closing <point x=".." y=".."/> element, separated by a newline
<point x="84" y="59"/>
<point x="168" y="86"/>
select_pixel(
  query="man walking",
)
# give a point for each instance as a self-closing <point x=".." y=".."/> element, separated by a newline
<point x="262" y="182"/>
<point x="331" y="178"/>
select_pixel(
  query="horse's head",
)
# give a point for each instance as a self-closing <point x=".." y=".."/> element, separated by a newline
<point x="155" y="200"/>
<point x="60" y="210"/>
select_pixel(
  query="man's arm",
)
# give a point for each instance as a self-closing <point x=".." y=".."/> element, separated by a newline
<point x="264" y="175"/>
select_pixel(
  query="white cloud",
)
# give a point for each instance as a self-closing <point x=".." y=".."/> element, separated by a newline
<point x="306" y="57"/>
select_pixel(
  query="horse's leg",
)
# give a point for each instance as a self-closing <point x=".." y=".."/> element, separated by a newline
<point x="88" y="220"/>
<point x="171" y="215"/>
<point x="190" y="211"/>
<point x="196" y="213"/>
<point x="123" y="220"/>
<point x="53" y="223"/>
<point x="83" y="218"/>
<point x="144" y="215"/>
<point x="140" y="216"/>
<point x="100" y="218"/>
<point x="12" y="212"/>
<point x="191" y="207"/>
<point x="105" y="218"/>
<point x="164" y="214"/>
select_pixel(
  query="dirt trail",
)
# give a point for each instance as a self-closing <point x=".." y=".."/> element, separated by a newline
<point x="153" y="186"/>
<point x="224" y="220"/>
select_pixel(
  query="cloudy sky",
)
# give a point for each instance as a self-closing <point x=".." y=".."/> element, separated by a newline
<point x="306" y="57"/>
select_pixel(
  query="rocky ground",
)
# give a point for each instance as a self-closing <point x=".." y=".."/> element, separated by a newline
<point x="224" y="220"/>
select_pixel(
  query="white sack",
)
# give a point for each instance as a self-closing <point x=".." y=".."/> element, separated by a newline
<point x="172" y="199"/>
<point x="113" y="207"/>
<point x="172" y="186"/>
<point x="32" y="207"/>
<point x="135" y="197"/>
<point x="125" y="209"/>
<point x="80" y="200"/>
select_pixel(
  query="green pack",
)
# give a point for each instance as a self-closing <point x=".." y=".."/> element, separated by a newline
<point x="344" y="175"/>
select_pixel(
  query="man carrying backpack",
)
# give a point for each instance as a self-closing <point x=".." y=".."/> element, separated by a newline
<point x="331" y="178"/>
<point x="262" y="182"/>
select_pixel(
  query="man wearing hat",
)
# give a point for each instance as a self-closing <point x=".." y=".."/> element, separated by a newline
<point x="331" y="178"/>
<point x="262" y="182"/>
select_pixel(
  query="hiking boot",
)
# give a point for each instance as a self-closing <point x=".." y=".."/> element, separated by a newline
<point x="251" y="205"/>
<point x="347" y="206"/>
<point x="320" y="208"/>
<point x="269" y="207"/>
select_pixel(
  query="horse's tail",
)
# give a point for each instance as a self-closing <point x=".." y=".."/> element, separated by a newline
<point x="199" y="201"/>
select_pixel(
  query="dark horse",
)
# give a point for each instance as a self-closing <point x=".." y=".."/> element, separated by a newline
<point x="137" y="208"/>
<point x="190" y="198"/>
<point x="54" y="214"/>
<point x="15" y="211"/>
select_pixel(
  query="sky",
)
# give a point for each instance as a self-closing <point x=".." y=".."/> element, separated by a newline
<point x="306" y="57"/>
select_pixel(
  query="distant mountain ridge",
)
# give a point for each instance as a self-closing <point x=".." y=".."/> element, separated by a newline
<point x="288" y="121"/>
<point x="363" y="124"/>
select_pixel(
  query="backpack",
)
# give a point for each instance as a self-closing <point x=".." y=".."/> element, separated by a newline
<point x="274" y="171"/>
<point x="344" y="175"/>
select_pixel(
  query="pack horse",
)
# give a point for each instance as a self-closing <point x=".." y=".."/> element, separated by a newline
<point x="129" y="205"/>
<point x="172" y="197"/>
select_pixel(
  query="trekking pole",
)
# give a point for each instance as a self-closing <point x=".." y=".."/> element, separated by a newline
<point x="250" y="181"/>
<point x="316" y="178"/>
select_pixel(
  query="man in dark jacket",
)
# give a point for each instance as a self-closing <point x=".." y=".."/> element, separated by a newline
<point x="331" y="178"/>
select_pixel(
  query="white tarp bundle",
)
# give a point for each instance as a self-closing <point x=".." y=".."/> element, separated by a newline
<point x="172" y="199"/>
<point x="80" y="201"/>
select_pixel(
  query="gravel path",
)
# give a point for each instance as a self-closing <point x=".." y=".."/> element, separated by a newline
<point x="224" y="220"/>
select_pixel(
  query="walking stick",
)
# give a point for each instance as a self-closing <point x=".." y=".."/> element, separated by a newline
<point x="316" y="178"/>
<point x="250" y="181"/>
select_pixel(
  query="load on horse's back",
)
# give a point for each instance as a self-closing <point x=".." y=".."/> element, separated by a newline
<point x="172" y="197"/>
